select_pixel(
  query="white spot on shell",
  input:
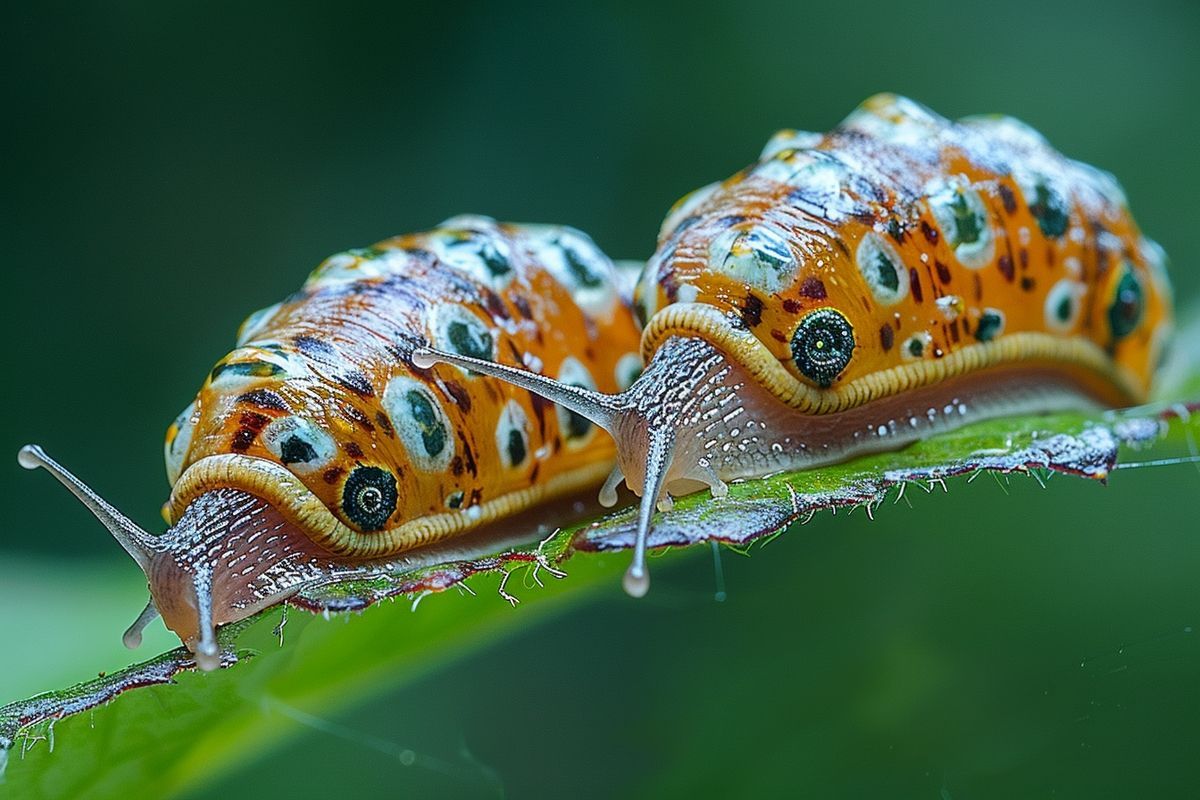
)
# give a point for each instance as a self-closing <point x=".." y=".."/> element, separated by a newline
<point x="789" y="139"/>
<point x="420" y="423"/>
<point x="474" y="245"/>
<point x="684" y="207"/>
<point x="882" y="269"/>
<point x="896" y="120"/>
<point x="1063" y="305"/>
<point x="255" y="323"/>
<point x="179" y="440"/>
<point x="629" y="367"/>
<point x="454" y="328"/>
<point x="917" y="346"/>
<point x="357" y="265"/>
<point x="964" y="222"/>
<point x="576" y="263"/>
<point x="573" y="372"/>
<point x="300" y="444"/>
<point x="758" y="256"/>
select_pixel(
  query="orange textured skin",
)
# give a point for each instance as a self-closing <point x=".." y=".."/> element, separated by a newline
<point x="336" y="357"/>
<point x="1044" y="245"/>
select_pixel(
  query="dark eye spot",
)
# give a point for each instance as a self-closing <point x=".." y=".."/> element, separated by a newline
<point x="1050" y="210"/>
<point x="369" y="497"/>
<point x="1128" y="303"/>
<point x="822" y="345"/>
<point x="990" y="325"/>
<point x="295" y="450"/>
<point x="580" y="270"/>
<point x="888" y="277"/>
<point x="916" y="347"/>
<point x="469" y="340"/>
<point x="433" y="431"/>
<point x="968" y="226"/>
<point x="494" y="260"/>
<point x="516" y="447"/>
<point x="1065" y="309"/>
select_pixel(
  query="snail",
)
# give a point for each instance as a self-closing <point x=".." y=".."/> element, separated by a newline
<point x="854" y="291"/>
<point x="315" y="445"/>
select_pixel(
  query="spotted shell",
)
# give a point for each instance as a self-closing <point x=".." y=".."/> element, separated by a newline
<point x="320" y="411"/>
<point x="901" y="249"/>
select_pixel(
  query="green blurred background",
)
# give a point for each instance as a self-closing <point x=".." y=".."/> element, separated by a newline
<point x="170" y="167"/>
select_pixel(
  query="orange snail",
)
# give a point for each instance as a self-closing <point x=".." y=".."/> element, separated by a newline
<point x="855" y="291"/>
<point x="316" y="445"/>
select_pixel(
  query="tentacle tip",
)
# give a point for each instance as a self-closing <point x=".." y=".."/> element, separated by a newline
<point x="636" y="581"/>
<point x="424" y="358"/>
<point x="608" y="497"/>
<point x="132" y="639"/>
<point x="208" y="657"/>
<point x="31" y="456"/>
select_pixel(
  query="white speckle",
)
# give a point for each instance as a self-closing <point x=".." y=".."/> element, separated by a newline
<point x="950" y="305"/>
<point x="1023" y="236"/>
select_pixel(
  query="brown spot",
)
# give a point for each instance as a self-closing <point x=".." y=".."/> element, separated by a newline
<point x="460" y="396"/>
<point x="886" y="337"/>
<point x="522" y="306"/>
<point x="533" y="473"/>
<point x="475" y="499"/>
<point x="914" y="282"/>
<point x="494" y="305"/>
<point x="1023" y="258"/>
<point x="779" y="336"/>
<point x="1005" y="263"/>
<point x="243" y="439"/>
<point x="978" y="288"/>
<point x="1028" y="284"/>
<point x="791" y="306"/>
<point x="253" y="420"/>
<point x="352" y="449"/>
<point x="752" y="310"/>
<point x="468" y="456"/>
<point x="263" y="398"/>
<point x="943" y="272"/>
<point x="1006" y="197"/>
<point x="385" y="424"/>
<point x="456" y="466"/>
<point x="929" y="232"/>
<point x="332" y="474"/>
<point x="812" y="288"/>
<point x="954" y="331"/>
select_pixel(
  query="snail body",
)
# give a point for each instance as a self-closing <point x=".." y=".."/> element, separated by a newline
<point x="316" y="445"/>
<point x="853" y="291"/>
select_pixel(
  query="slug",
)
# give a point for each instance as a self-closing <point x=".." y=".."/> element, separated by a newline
<point x="316" y="445"/>
<point x="854" y="291"/>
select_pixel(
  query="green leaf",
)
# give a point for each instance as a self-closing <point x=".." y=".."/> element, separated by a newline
<point x="167" y="739"/>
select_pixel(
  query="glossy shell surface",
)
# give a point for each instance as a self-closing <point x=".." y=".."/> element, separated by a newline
<point x="945" y="247"/>
<point x="320" y="411"/>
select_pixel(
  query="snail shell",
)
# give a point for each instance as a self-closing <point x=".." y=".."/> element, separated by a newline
<point x="317" y="445"/>
<point x="854" y="291"/>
